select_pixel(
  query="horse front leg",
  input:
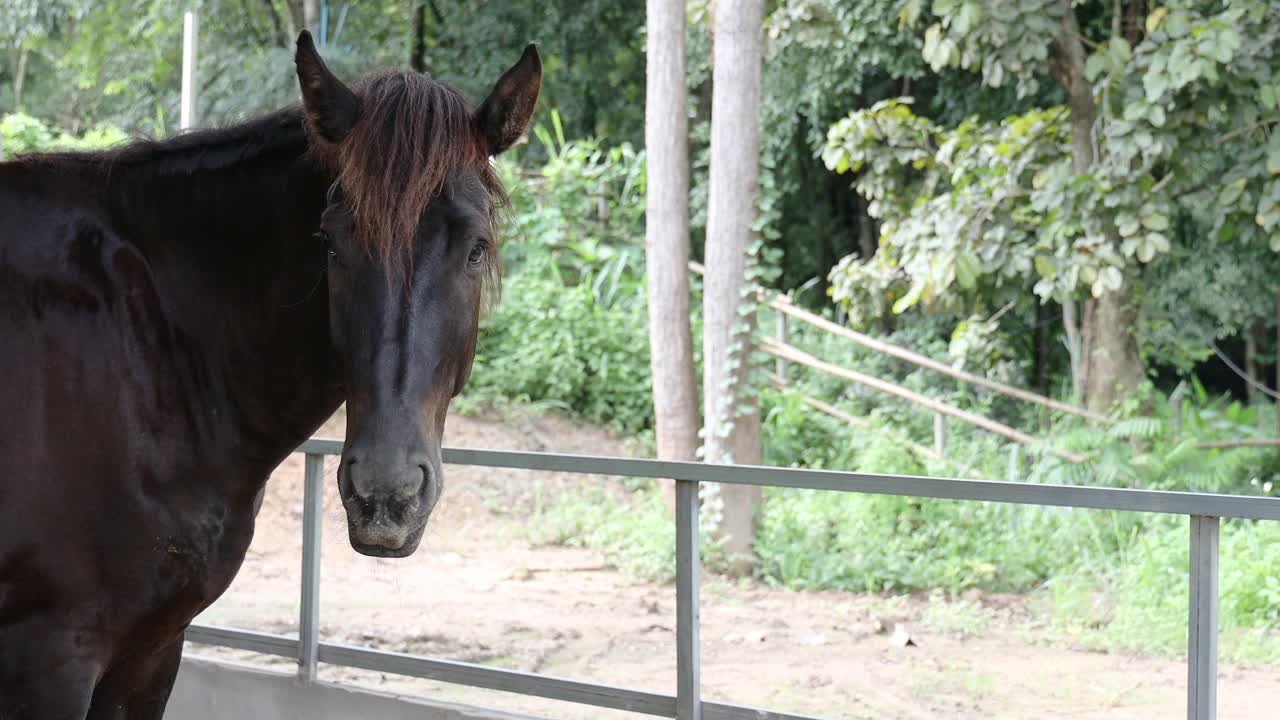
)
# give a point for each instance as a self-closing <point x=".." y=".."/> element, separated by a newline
<point x="45" y="672"/>
<point x="137" y="689"/>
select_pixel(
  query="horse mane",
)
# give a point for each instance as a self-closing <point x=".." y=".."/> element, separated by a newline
<point x="413" y="132"/>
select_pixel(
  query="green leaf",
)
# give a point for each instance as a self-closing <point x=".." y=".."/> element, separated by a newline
<point x="1156" y="115"/>
<point x="1267" y="96"/>
<point x="1119" y="51"/>
<point x="911" y="298"/>
<point x="1127" y="224"/>
<point x="1228" y="43"/>
<point x="1146" y="251"/>
<point x="1044" y="266"/>
<point x="1154" y="220"/>
<point x="1155" y="18"/>
<point x="968" y="17"/>
<point x="1159" y="242"/>
<point x="968" y="267"/>
<point x="1231" y="192"/>
<point x="1093" y="67"/>
<point x="1273" y="154"/>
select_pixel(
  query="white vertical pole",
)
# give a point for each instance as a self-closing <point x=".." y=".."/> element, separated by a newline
<point x="190" y="32"/>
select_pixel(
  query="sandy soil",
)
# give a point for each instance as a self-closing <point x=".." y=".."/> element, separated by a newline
<point x="478" y="590"/>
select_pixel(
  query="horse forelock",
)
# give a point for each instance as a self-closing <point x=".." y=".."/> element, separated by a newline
<point x="412" y="134"/>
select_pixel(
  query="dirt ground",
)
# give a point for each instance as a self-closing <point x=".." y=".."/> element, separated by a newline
<point x="478" y="590"/>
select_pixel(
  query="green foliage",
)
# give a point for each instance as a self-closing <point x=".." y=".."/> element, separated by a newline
<point x="583" y="345"/>
<point x="23" y="133"/>
<point x="1001" y="40"/>
<point x="1182" y="175"/>
<point x="815" y="540"/>
<point x="1138" y="601"/>
<point x="636" y="535"/>
<point x="584" y="206"/>
<point x="572" y="328"/>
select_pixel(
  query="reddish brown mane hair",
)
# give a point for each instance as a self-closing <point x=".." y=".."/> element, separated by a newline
<point x="412" y="133"/>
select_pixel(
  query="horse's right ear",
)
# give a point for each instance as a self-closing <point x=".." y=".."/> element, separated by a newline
<point x="331" y="106"/>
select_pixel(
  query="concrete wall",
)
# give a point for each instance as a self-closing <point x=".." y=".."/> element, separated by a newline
<point x="211" y="690"/>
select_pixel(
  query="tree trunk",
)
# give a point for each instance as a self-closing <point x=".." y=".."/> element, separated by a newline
<point x="1114" y="364"/>
<point x="1110" y="361"/>
<point x="666" y="141"/>
<point x="418" y="48"/>
<point x="1251" y="361"/>
<point x="297" y="17"/>
<point x="277" y="26"/>
<point x="311" y="18"/>
<point x="1075" y="349"/>
<point x="1041" y="351"/>
<point x="20" y="78"/>
<point x="730" y="405"/>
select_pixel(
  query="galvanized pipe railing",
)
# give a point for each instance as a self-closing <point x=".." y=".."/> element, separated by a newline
<point x="1204" y="511"/>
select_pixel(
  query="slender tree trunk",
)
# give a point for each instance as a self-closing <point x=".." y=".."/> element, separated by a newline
<point x="311" y="18"/>
<point x="666" y="141"/>
<point x="735" y="166"/>
<point x="277" y="26"/>
<point x="1041" y="373"/>
<point x="418" y="51"/>
<point x="1251" y="361"/>
<point x="297" y="17"/>
<point x="1075" y="348"/>
<point x="20" y="78"/>
<point x="1110" y="360"/>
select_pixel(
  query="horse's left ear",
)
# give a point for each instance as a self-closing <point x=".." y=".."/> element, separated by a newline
<point x="505" y="114"/>
<point x="331" y="106"/>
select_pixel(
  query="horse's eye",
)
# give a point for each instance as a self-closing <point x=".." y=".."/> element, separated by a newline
<point x="323" y="236"/>
<point x="477" y="253"/>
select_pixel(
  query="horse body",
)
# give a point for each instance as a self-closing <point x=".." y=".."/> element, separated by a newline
<point x="171" y="329"/>
<point x="148" y="393"/>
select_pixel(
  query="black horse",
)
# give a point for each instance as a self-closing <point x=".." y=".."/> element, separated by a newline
<point x="177" y="316"/>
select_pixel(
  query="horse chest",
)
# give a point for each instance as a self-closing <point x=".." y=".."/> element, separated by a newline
<point x="196" y="560"/>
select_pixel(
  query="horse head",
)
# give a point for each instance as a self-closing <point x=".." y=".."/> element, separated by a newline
<point x="409" y="227"/>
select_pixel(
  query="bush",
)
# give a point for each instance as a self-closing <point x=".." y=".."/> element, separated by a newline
<point x="554" y="342"/>
<point x="23" y="133"/>
<point x="1137" y="600"/>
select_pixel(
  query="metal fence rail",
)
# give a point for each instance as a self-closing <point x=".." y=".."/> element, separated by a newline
<point x="1204" y="511"/>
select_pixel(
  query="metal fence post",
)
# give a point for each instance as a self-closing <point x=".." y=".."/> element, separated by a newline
<point x="1202" y="650"/>
<point x="940" y="434"/>
<point x="688" y="563"/>
<point x="1014" y="465"/>
<point x="312" y="522"/>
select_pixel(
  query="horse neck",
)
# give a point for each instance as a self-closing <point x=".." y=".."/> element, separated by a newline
<point x="241" y="278"/>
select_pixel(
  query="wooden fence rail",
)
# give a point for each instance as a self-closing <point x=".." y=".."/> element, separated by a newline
<point x="864" y="424"/>
<point x="782" y="305"/>
<point x="795" y="355"/>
